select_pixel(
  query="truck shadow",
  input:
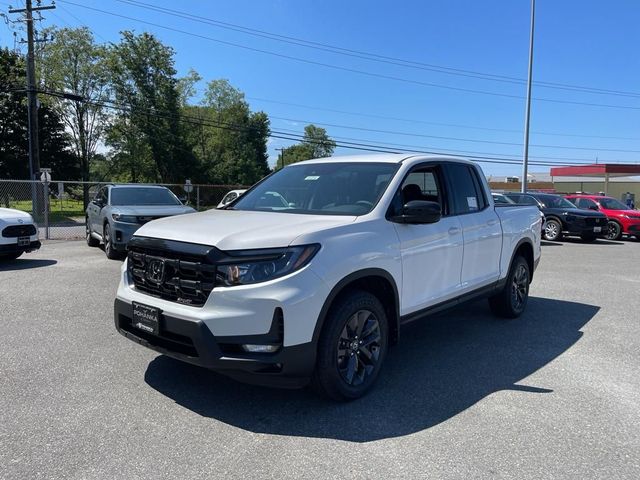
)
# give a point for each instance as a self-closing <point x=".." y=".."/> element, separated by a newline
<point x="441" y="367"/>
<point x="25" y="264"/>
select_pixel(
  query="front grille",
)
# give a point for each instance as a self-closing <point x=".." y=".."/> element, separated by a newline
<point x="594" y="221"/>
<point x="19" y="231"/>
<point x="185" y="278"/>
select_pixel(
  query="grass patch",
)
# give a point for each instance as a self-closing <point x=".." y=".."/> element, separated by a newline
<point x="59" y="210"/>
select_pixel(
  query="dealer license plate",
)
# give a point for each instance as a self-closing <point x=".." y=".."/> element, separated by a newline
<point x="23" y="241"/>
<point x="146" y="318"/>
<point x="597" y="229"/>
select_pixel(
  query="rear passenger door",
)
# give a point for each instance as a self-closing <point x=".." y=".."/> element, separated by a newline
<point x="432" y="253"/>
<point x="481" y="229"/>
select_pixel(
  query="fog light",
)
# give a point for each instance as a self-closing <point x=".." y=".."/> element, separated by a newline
<point x="260" y="348"/>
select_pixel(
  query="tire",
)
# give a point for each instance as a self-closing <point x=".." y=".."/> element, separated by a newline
<point x="112" y="254"/>
<point x="352" y="347"/>
<point x="588" y="238"/>
<point x="10" y="256"/>
<point x="553" y="230"/>
<point x="614" y="230"/>
<point x="92" y="242"/>
<point x="512" y="300"/>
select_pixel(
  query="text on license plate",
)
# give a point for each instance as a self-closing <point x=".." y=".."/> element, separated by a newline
<point x="146" y="318"/>
<point x="23" y="241"/>
<point x="597" y="229"/>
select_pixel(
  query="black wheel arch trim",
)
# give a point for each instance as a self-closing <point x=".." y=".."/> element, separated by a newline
<point x="342" y="285"/>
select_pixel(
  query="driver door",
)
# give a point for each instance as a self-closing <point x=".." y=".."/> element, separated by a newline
<point x="431" y="253"/>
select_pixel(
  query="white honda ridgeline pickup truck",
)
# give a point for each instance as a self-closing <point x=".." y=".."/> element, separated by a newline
<point x="309" y="275"/>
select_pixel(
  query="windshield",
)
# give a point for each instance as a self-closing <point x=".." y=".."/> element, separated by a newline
<point x="612" y="204"/>
<point x="321" y="189"/>
<point x="143" y="196"/>
<point x="552" y="201"/>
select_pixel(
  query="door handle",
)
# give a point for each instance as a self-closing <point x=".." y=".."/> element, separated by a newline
<point x="454" y="231"/>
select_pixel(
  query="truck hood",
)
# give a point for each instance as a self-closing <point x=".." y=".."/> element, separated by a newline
<point x="238" y="230"/>
<point x="11" y="214"/>
<point x="152" y="210"/>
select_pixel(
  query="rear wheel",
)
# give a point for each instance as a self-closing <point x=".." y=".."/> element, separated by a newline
<point x="352" y="347"/>
<point x="512" y="300"/>
<point x="111" y="253"/>
<point x="92" y="242"/>
<point x="614" y="230"/>
<point x="553" y="230"/>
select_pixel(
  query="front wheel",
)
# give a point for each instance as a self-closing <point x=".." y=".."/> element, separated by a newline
<point x="92" y="242"/>
<point x="553" y="230"/>
<point x="614" y="230"/>
<point x="111" y="252"/>
<point x="512" y="300"/>
<point x="352" y="347"/>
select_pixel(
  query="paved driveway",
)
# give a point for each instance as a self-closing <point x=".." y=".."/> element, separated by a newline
<point x="555" y="394"/>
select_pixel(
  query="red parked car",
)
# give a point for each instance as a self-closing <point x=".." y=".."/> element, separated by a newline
<point x="622" y="220"/>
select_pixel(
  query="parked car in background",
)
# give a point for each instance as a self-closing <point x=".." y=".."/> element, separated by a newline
<point x="230" y="197"/>
<point x="621" y="219"/>
<point x="18" y="233"/>
<point x="563" y="218"/>
<point x="117" y="211"/>
<point x="309" y="275"/>
<point x="500" y="199"/>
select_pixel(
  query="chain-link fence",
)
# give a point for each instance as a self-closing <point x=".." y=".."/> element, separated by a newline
<point x="59" y="207"/>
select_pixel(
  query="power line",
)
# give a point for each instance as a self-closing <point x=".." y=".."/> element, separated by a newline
<point x="425" y="122"/>
<point x="373" y="56"/>
<point x="361" y="146"/>
<point x="351" y="70"/>
<point x="458" y="139"/>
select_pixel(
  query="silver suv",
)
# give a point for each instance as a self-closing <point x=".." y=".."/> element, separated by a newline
<point x="117" y="211"/>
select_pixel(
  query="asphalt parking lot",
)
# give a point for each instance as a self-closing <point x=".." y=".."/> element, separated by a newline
<point x="555" y="394"/>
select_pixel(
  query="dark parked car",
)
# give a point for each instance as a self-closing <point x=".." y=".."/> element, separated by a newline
<point x="563" y="218"/>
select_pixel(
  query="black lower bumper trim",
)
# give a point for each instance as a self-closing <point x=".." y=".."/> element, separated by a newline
<point x="15" y="248"/>
<point x="192" y="342"/>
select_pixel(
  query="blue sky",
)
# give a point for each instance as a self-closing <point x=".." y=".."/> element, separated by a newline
<point x="584" y="43"/>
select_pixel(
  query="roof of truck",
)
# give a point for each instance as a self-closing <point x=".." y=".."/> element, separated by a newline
<point x="381" y="158"/>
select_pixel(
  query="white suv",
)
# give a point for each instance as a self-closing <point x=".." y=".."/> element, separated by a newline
<point x="315" y="288"/>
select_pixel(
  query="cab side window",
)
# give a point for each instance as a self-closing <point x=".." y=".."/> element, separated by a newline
<point x="586" y="204"/>
<point x="466" y="189"/>
<point x="423" y="183"/>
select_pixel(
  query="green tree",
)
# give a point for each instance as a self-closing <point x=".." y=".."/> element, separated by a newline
<point x="73" y="63"/>
<point x="146" y="89"/>
<point x="55" y="150"/>
<point x="229" y="139"/>
<point x="315" y="144"/>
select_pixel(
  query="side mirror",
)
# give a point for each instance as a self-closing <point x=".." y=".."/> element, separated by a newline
<point x="418" y="212"/>
<point x="593" y="207"/>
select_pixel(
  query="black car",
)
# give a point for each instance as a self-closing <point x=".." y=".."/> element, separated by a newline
<point x="563" y="218"/>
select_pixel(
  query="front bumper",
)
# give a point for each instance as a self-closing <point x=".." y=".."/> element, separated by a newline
<point x="121" y="233"/>
<point x="193" y="342"/>
<point x="15" y="248"/>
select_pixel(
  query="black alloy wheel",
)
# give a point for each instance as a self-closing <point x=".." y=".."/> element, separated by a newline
<point x="520" y="288"/>
<point x="359" y="347"/>
<point x="614" y="231"/>
<point x="352" y="346"/>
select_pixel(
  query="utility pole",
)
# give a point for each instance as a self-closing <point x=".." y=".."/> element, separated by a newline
<point x="525" y="163"/>
<point x="32" y="96"/>
<point x="281" y="155"/>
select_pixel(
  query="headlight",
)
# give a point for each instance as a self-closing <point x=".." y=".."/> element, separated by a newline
<point x="632" y="217"/>
<point x="254" y="266"/>
<point x="124" y="218"/>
